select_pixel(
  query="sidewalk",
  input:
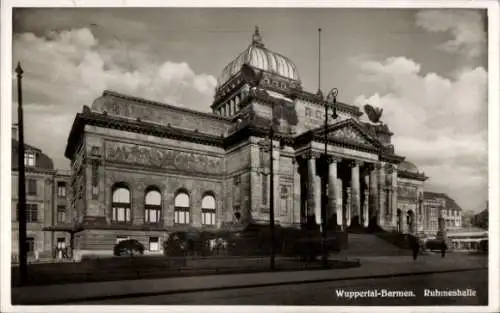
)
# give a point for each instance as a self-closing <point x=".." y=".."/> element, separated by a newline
<point x="371" y="267"/>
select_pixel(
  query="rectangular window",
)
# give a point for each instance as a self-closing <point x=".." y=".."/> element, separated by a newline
<point x="61" y="213"/>
<point x="121" y="214"/>
<point x="61" y="242"/>
<point x="30" y="244"/>
<point x="152" y="214"/>
<point x="264" y="189"/>
<point x="284" y="207"/>
<point x="61" y="189"/>
<point x="181" y="215"/>
<point x="154" y="244"/>
<point x="208" y="216"/>
<point x="31" y="187"/>
<point x="29" y="159"/>
<point x="31" y="213"/>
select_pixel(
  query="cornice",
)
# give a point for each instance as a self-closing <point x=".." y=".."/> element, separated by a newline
<point x="411" y="175"/>
<point x="137" y="126"/>
<point x="35" y="170"/>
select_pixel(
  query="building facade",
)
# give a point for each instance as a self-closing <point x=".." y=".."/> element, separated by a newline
<point x="441" y="205"/>
<point x="143" y="169"/>
<point x="46" y="202"/>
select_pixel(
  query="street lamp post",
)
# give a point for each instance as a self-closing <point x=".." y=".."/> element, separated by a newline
<point x="331" y="99"/>
<point x="21" y="207"/>
<point x="271" y="186"/>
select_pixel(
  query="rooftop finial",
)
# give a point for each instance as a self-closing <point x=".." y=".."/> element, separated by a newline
<point x="256" y="38"/>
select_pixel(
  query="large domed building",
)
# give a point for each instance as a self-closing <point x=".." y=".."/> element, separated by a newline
<point x="144" y="169"/>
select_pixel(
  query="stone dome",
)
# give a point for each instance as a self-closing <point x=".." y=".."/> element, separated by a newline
<point x="408" y="167"/>
<point x="257" y="56"/>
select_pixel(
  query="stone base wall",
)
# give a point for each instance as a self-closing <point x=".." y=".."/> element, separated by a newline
<point x="102" y="241"/>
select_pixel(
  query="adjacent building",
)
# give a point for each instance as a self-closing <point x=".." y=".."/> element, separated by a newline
<point x="441" y="205"/>
<point x="143" y="169"/>
<point x="46" y="202"/>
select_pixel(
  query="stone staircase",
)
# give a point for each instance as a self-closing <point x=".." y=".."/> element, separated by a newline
<point x="368" y="244"/>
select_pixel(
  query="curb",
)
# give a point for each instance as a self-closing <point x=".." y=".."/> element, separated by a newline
<point x="257" y="285"/>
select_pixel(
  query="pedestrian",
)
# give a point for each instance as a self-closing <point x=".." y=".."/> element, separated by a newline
<point x="443" y="249"/>
<point x="414" y="245"/>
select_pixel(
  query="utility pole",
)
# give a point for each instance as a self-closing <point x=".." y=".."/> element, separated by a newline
<point x="21" y="207"/>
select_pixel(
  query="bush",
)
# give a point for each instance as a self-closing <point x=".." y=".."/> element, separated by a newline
<point x="435" y="244"/>
<point x="128" y="247"/>
<point x="185" y="243"/>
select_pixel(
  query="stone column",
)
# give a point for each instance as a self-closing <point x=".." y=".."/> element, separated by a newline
<point x="311" y="173"/>
<point x="356" y="205"/>
<point x="318" y="199"/>
<point x="332" y="186"/>
<point x="374" y="203"/>
<point x="404" y="225"/>
<point x="390" y="210"/>
<point x="276" y="178"/>
<point x="338" y="202"/>
<point x="381" y="193"/>
<point x="348" y="207"/>
<point x="394" y="194"/>
<point x="366" y="192"/>
<point x="296" y="193"/>
<point x="255" y="201"/>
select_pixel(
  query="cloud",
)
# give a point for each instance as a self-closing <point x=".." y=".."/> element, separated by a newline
<point x="439" y="123"/>
<point x="68" y="69"/>
<point x="466" y="27"/>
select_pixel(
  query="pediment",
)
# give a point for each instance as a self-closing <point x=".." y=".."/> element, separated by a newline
<point x="352" y="132"/>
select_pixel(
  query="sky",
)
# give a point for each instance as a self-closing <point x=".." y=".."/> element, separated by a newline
<point x="426" y="68"/>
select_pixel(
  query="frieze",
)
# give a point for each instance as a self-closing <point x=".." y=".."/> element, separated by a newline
<point x="308" y="154"/>
<point x="162" y="158"/>
<point x="349" y="134"/>
<point x="333" y="159"/>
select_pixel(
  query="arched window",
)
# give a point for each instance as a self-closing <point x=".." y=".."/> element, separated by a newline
<point x="181" y="210"/>
<point x="121" y="204"/>
<point x="208" y="210"/>
<point x="152" y="206"/>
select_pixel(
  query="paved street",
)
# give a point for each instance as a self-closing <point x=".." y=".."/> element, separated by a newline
<point x="387" y="269"/>
<point x="326" y="293"/>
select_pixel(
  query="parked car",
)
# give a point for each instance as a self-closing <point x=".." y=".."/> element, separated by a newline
<point x="129" y="247"/>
